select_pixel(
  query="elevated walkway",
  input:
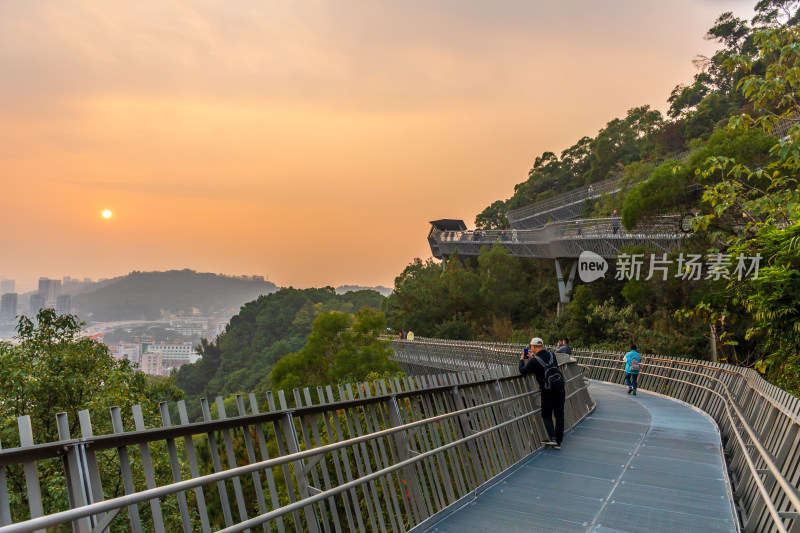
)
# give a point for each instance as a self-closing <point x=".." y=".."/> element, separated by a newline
<point x="638" y="464"/>
<point x="565" y="206"/>
<point x="603" y="236"/>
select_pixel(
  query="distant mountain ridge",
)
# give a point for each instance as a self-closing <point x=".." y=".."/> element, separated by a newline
<point x="150" y="295"/>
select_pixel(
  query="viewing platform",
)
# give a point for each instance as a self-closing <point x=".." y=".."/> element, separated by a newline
<point x="603" y="236"/>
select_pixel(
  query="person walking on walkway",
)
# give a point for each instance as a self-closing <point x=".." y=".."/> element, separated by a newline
<point x="633" y="364"/>
<point x="615" y="221"/>
<point x="544" y="365"/>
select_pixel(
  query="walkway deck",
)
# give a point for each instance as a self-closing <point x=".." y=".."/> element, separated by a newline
<point x="638" y="463"/>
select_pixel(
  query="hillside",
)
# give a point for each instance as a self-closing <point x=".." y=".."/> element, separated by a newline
<point x="263" y="331"/>
<point x="725" y="160"/>
<point x="148" y="295"/>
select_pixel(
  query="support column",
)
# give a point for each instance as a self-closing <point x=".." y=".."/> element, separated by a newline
<point x="565" y="288"/>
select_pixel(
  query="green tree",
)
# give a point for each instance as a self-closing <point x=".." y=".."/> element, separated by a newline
<point x="340" y="348"/>
<point x="500" y="278"/>
<point x="52" y="368"/>
<point x="764" y="201"/>
<point x="494" y="216"/>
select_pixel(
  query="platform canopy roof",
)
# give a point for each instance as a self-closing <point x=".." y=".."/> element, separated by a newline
<point x="449" y="224"/>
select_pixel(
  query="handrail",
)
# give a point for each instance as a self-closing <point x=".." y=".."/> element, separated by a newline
<point x="729" y="371"/>
<point x="182" y="486"/>
<point x="764" y="456"/>
<point x="487" y="425"/>
<point x="586" y="192"/>
<point x="752" y="407"/>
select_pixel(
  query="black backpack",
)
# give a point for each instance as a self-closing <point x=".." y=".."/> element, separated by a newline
<point x="552" y="374"/>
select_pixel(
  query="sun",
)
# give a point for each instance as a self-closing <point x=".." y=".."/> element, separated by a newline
<point x="106" y="214"/>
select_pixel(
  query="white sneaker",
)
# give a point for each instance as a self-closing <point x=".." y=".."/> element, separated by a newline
<point x="549" y="443"/>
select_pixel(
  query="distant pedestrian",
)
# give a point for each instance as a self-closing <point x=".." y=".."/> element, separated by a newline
<point x="614" y="221"/>
<point x="402" y="334"/>
<point x="410" y="335"/>
<point x="579" y="224"/>
<point x="564" y="346"/>
<point x="633" y="364"/>
<point x="544" y="365"/>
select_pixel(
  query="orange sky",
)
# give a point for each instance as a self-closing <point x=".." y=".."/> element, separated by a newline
<point x="306" y="141"/>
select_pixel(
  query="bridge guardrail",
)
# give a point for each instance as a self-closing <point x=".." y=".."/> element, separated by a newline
<point x="759" y="422"/>
<point x="604" y="236"/>
<point x="384" y="456"/>
<point x="586" y="192"/>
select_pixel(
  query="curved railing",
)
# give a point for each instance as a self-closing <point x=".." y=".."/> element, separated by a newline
<point x="519" y="218"/>
<point x="604" y="236"/>
<point x="383" y="456"/>
<point x="759" y="423"/>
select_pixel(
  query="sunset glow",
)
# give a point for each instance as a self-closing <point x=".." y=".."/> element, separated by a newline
<point x="309" y="142"/>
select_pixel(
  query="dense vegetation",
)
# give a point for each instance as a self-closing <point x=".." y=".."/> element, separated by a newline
<point x="150" y="295"/>
<point x="52" y="369"/>
<point x="264" y="331"/>
<point x="714" y="158"/>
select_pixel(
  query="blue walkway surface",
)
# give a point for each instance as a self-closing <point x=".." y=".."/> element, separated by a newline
<point x="640" y="463"/>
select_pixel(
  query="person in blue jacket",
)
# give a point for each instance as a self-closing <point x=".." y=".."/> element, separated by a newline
<point x="632" y="374"/>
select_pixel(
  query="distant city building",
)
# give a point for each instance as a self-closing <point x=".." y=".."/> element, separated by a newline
<point x="50" y="290"/>
<point x="188" y="330"/>
<point x="215" y="327"/>
<point x="129" y="351"/>
<point x="173" y="354"/>
<point x="36" y="305"/>
<point x="64" y="304"/>
<point x="8" y="307"/>
<point x="171" y="349"/>
<point x="7" y="285"/>
<point x="152" y="363"/>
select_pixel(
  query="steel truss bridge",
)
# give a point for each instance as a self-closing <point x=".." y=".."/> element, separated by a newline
<point x="461" y="434"/>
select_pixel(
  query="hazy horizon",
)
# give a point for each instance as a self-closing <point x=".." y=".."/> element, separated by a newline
<point x="307" y="142"/>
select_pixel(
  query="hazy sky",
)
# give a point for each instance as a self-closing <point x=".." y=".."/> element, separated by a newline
<point x="306" y="141"/>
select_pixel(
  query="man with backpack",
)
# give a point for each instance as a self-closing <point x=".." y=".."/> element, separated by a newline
<point x="544" y="365"/>
<point x="633" y="364"/>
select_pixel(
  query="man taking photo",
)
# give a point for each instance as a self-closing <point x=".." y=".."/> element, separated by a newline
<point x="544" y="365"/>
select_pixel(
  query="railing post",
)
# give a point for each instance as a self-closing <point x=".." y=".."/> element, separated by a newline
<point x="404" y="452"/>
<point x="125" y="470"/>
<point x="464" y="422"/>
<point x="31" y="473"/>
<point x="511" y="431"/>
<point x="75" y="477"/>
<point x="5" y="508"/>
<point x="293" y="446"/>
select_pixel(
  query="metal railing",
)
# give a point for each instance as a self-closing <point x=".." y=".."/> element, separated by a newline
<point x="759" y="423"/>
<point x="604" y="236"/>
<point x="519" y="217"/>
<point x="382" y="456"/>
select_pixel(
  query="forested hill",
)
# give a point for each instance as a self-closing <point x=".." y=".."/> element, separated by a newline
<point x="145" y="295"/>
<point x="262" y="332"/>
<point x="726" y="159"/>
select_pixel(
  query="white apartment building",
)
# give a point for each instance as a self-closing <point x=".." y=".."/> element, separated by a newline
<point x="177" y="350"/>
<point x="132" y="352"/>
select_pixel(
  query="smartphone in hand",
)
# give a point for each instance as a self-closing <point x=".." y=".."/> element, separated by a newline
<point x="525" y="353"/>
